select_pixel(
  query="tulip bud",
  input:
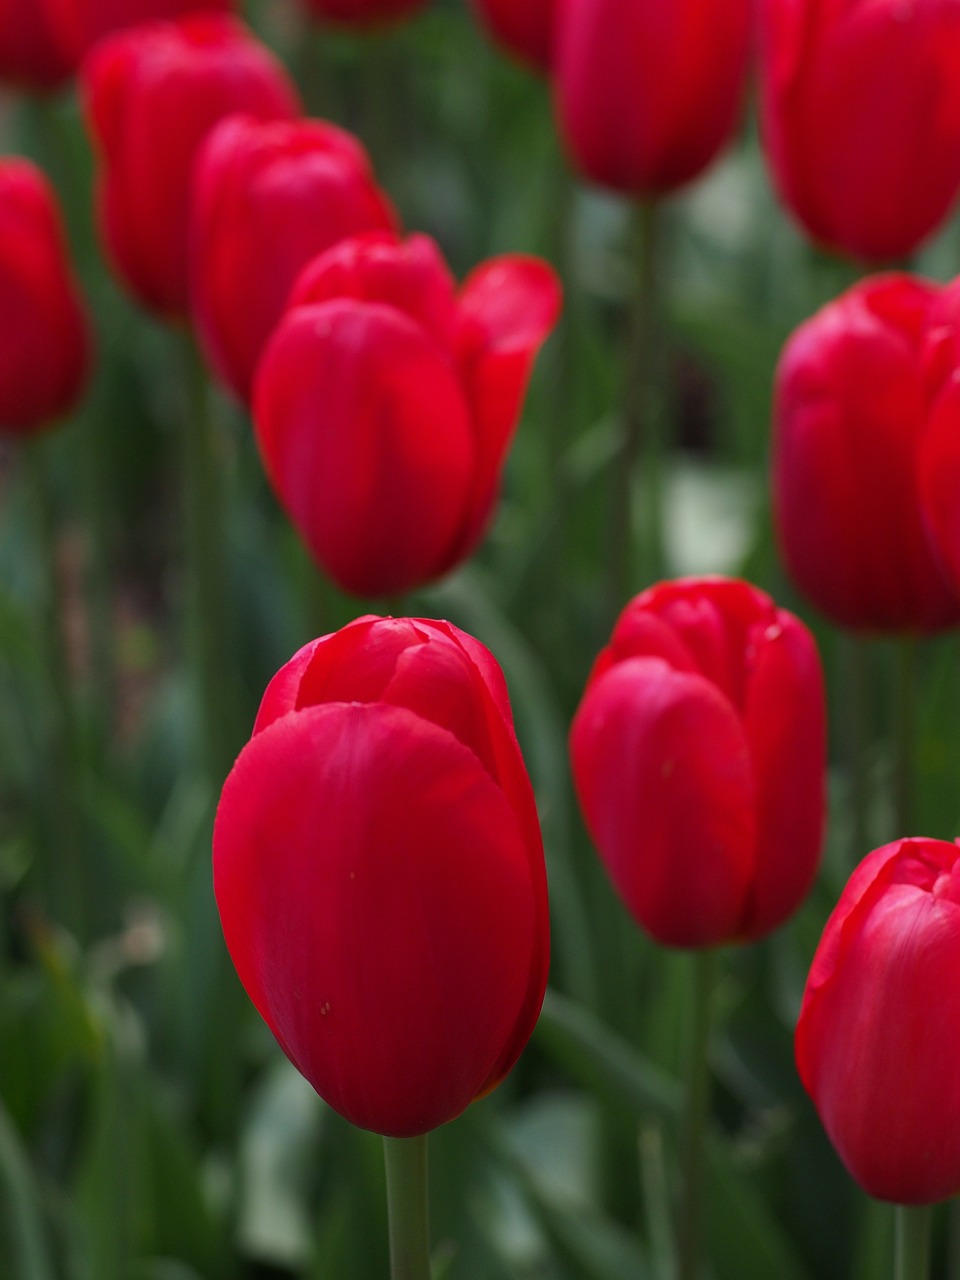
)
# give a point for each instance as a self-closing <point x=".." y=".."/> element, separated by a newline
<point x="152" y="95"/>
<point x="268" y="198"/>
<point x="29" y="53"/>
<point x="379" y="872"/>
<point x="855" y="389"/>
<point x="877" y="1021"/>
<point x="698" y="754"/>
<point x="45" y="347"/>
<point x="79" y="24"/>
<point x="648" y="92"/>
<point x="385" y="404"/>
<point x="525" y="30"/>
<point x="860" y="115"/>
<point x="363" y="13"/>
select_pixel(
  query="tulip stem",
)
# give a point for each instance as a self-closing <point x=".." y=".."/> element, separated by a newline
<point x="407" y="1207"/>
<point x="905" y="716"/>
<point x="689" y="1240"/>
<point x="912" y="1241"/>
<point x="855" y="671"/>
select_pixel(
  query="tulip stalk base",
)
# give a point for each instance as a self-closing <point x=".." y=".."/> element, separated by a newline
<point x="912" y="1242"/>
<point x="407" y="1207"/>
<point x="690" y="1232"/>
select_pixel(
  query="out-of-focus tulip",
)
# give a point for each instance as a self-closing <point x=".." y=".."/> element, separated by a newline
<point x="363" y="13"/>
<point x="861" y="118"/>
<point x="856" y="390"/>
<point x="874" y="1041"/>
<point x="698" y="753"/>
<point x="44" y="335"/>
<point x="648" y="92"/>
<point x="379" y="872"/>
<point x="385" y="404"/>
<point x="79" y="24"/>
<point x="152" y="94"/>
<point x="268" y="198"/>
<point x="29" y="53"/>
<point x="525" y="30"/>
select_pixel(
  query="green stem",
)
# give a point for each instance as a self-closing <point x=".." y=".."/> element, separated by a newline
<point x="855" y="655"/>
<point x="407" y="1209"/>
<point x="906" y="680"/>
<point x="689" y="1240"/>
<point x="96" y="512"/>
<point x="912" y="1242"/>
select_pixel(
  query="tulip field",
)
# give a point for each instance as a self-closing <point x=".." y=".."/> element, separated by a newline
<point x="479" y="684"/>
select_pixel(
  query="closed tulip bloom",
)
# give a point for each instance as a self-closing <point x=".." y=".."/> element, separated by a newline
<point x="363" y="13"/>
<point x="860" y="118"/>
<point x="877" y="1024"/>
<point x="525" y="30"/>
<point x="648" y="92"/>
<point x="379" y="872"/>
<point x="386" y="402"/>
<point x="855" y="389"/>
<point x="29" y="53"/>
<point x="44" y="333"/>
<point x="698" y="754"/>
<point x="152" y="95"/>
<point x="269" y="197"/>
<point x="79" y="24"/>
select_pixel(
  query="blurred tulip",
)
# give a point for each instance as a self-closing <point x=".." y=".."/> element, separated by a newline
<point x="856" y="390"/>
<point x="861" y="118"/>
<point x="648" y="92"/>
<point x="152" y="94"/>
<point x="385" y="404"/>
<point x="29" y="53"/>
<point x="363" y="13"/>
<point x="269" y="197"/>
<point x="379" y="872"/>
<point x="525" y="30"/>
<point x="79" y="24"/>
<point x="698" y="754"/>
<point x="875" y="1035"/>
<point x="44" y="335"/>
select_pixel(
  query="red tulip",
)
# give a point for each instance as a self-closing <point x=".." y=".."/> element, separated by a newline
<point x="29" y="53"/>
<point x="152" y="95"/>
<point x="385" y="404"/>
<point x="379" y="872"/>
<point x="269" y="197"/>
<point x="648" y="92"/>
<point x="79" y="24"/>
<point x="525" y="30"/>
<point x="698" y="755"/>
<point x="875" y="1037"/>
<point x="363" y="13"/>
<point x="44" y="335"/>
<point x="861" y="118"/>
<point x="855" y="390"/>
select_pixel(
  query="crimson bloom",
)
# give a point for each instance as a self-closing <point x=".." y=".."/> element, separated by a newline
<point x="152" y="94"/>
<point x="29" y="53"/>
<point x="269" y="197"/>
<point x="525" y="30"/>
<point x="866" y="445"/>
<point x="363" y="13"/>
<point x="698" y="754"/>
<point x="379" y="872"/>
<point x="79" y="24"/>
<point x="648" y="92"/>
<point x="860" y="114"/>
<point x="880" y="1010"/>
<point x="385" y="404"/>
<point x="44" y="333"/>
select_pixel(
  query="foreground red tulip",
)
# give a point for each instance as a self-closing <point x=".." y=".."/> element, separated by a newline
<point x="649" y="92"/>
<point x="269" y="197"/>
<point x="152" y="95"/>
<point x="524" y="29"/>
<point x="379" y="872"/>
<point x="881" y="1009"/>
<point x="861" y="118"/>
<point x="385" y="404"/>
<point x="79" y="24"/>
<point x="29" y="53"/>
<point x="698" y="755"/>
<point x="856" y="393"/>
<point x="363" y="13"/>
<point x="44" y="337"/>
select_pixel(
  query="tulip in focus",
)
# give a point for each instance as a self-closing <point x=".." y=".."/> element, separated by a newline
<point x="30" y="56"/>
<point x="525" y="30"/>
<point x="698" y="754"/>
<point x="152" y="95"/>
<point x="363" y="13"/>
<point x="860" y="115"/>
<point x="44" y="334"/>
<point x="79" y="24"/>
<point x="649" y="92"/>
<point x="874" y="1042"/>
<point x="386" y="402"/>
<point x="379" y="872"/>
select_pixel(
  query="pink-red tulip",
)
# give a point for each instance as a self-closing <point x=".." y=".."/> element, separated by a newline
<point x="29" y="53"/>
<point x="44" y="333"/>
<point x="880" y="1011"/>
<point x="648" y="92"/>
<point x="268" y="198"/>
<point x="363" y="13"/>
<point x="861" y="118"/>
<point x="864" y="447"/>
<point x="525" y="30"/>
<point x="698" y="753"/>
<point x="152" y="95"/>
<point x="79" y="24"/>
<point x="385" y="404"/>
<point x="379" y="872"/>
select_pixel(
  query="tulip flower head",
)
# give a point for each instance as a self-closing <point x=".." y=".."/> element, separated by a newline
<point x="30" y="56"/>
<point x="379" y="872"/>
<point x="525" y="30"/>
<point x="880" y="1009"/>
<point x="698" y="754"/>
<point x="79" y="24"/>
<point x="385" y="404"/>
<point x="363" y="13"/>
